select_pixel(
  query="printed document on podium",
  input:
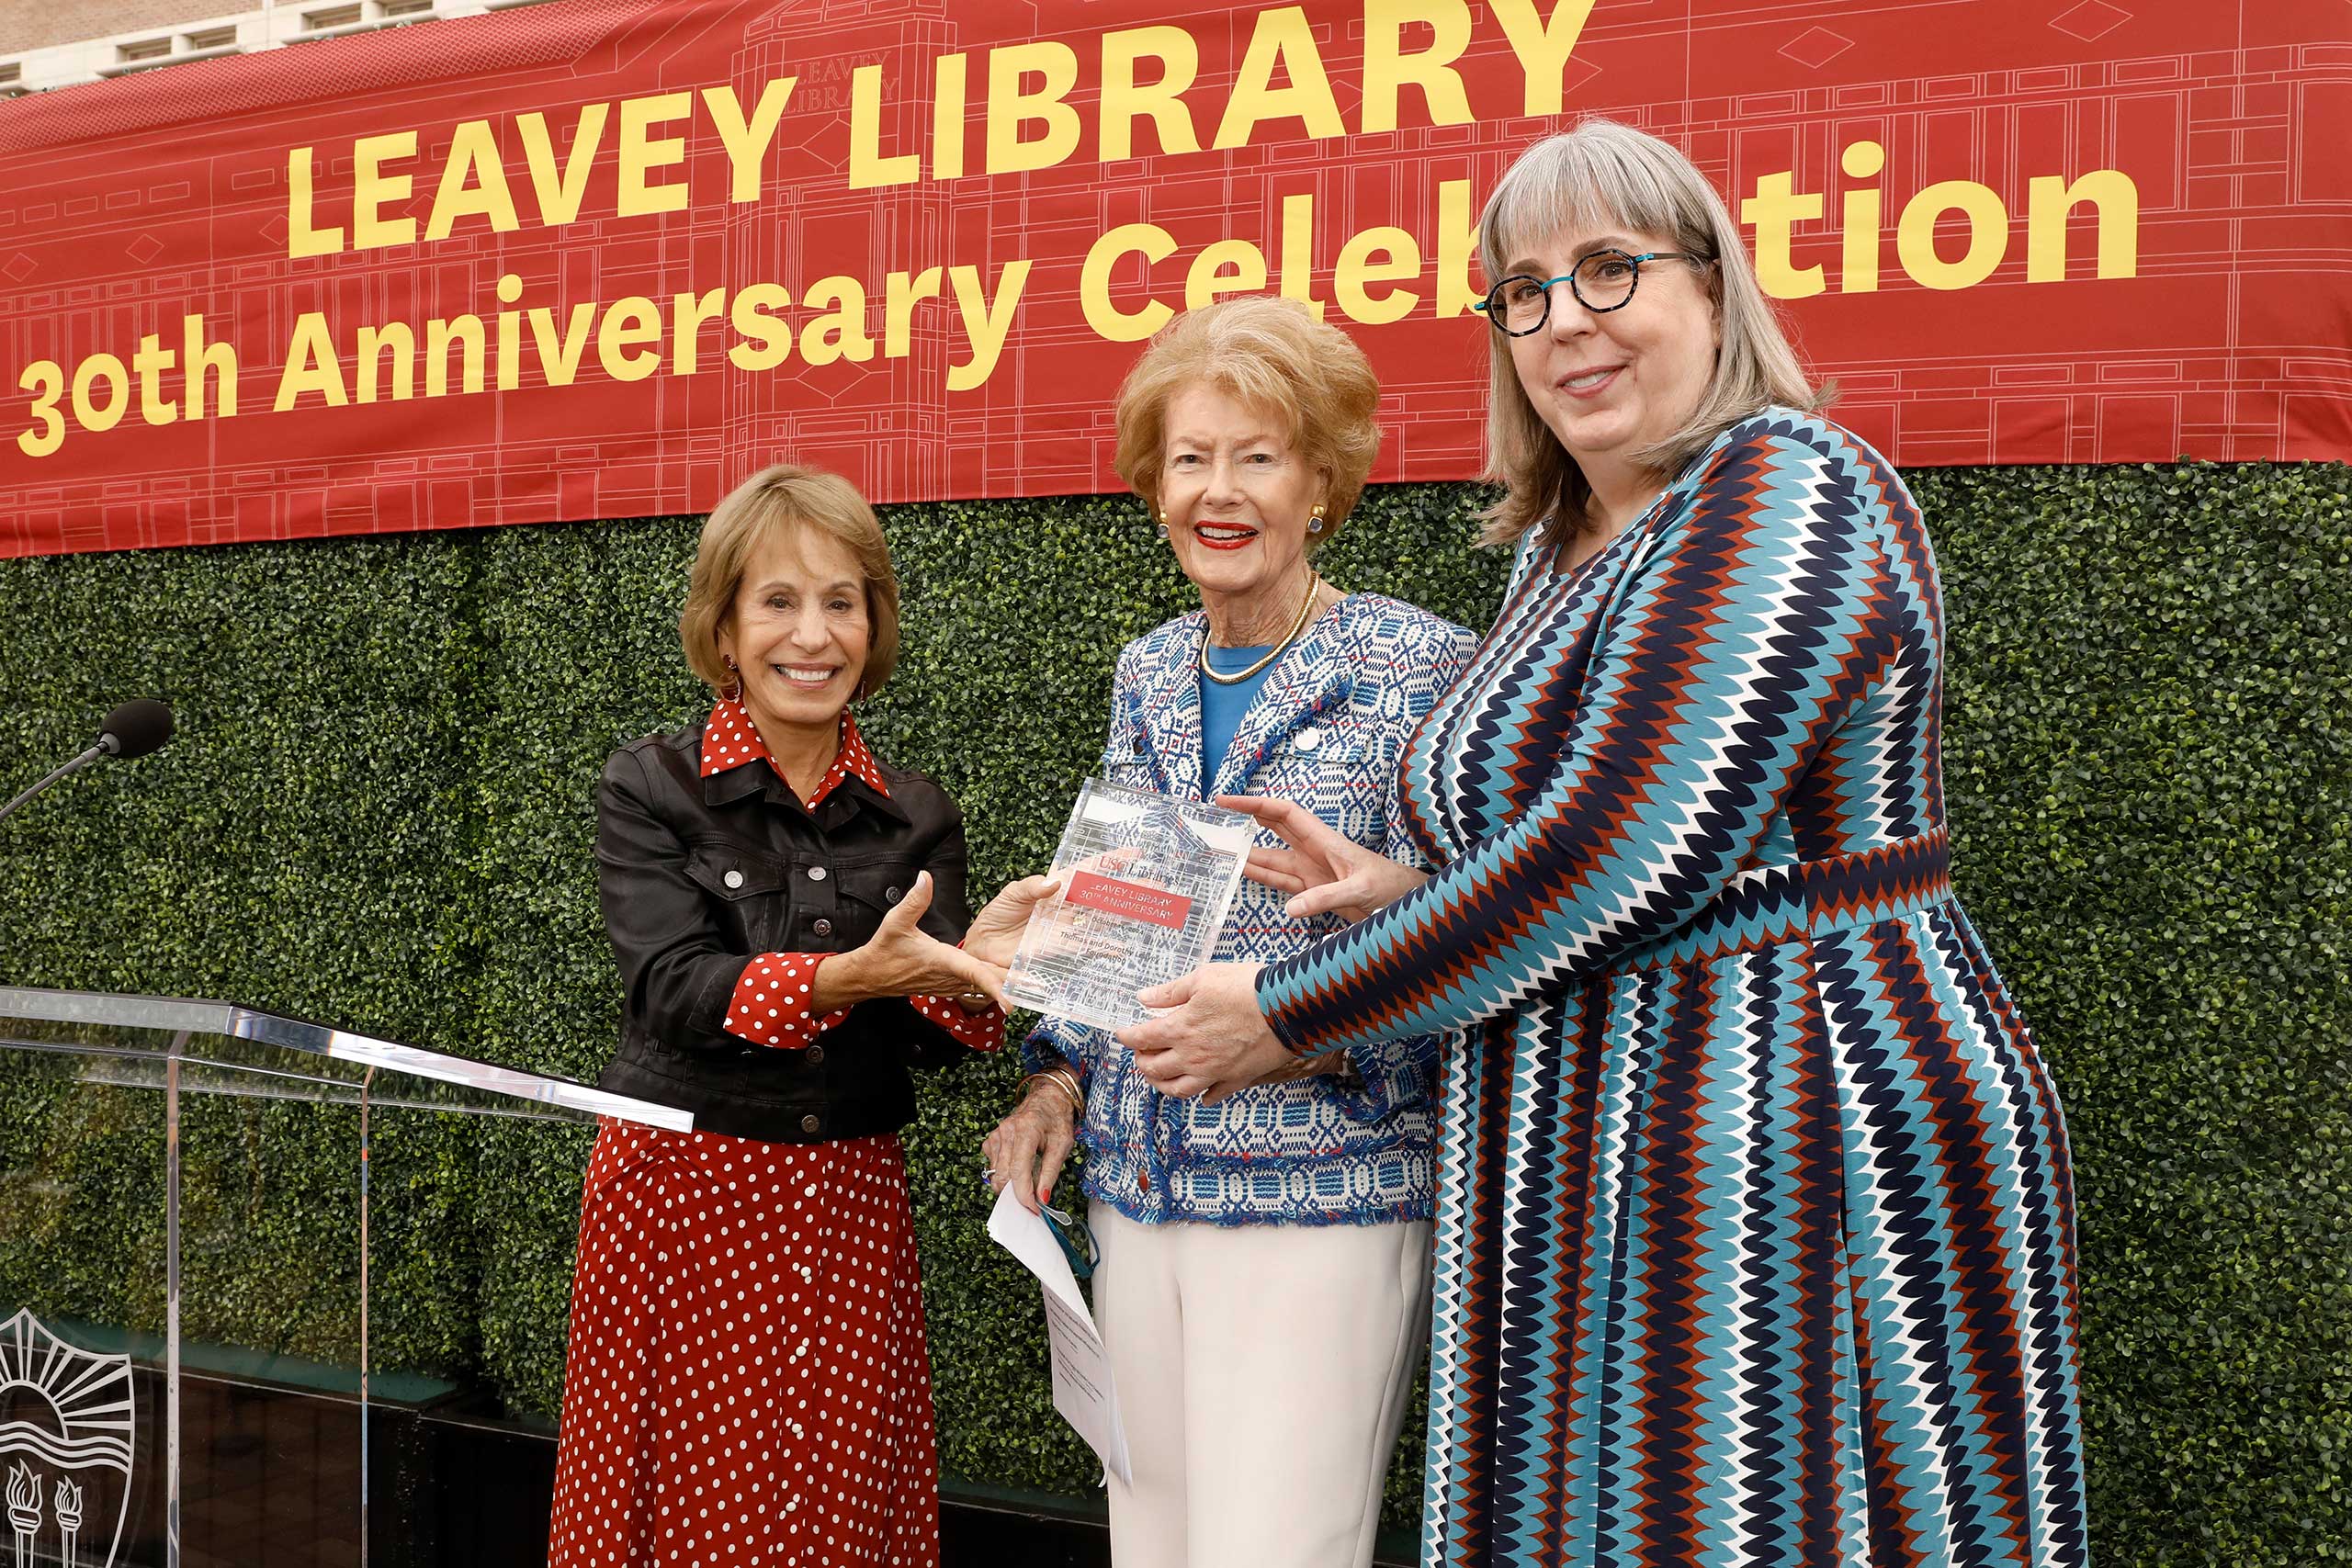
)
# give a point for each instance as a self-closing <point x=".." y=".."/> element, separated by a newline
<point x="1082" y="1390"/>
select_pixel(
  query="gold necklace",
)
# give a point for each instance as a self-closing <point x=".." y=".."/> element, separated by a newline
<point x="1314" y="582"/>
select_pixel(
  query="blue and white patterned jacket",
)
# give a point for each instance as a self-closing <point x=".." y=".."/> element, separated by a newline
<point x="1325" y="731"/>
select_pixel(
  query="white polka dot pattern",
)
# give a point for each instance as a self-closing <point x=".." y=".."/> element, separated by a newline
<point x="747" y="1381"/>
<point x="771" y="1002"/>
<point x="771" y="1007"/>
<point x="730" y="739"/>
<point x="981" y="1031"/>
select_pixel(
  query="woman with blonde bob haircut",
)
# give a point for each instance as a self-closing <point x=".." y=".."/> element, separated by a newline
<point x="773" y="503"/>
<point x="1756" y="1232"/>
<point x="1263" y="1278"/>
<point x="747" y="1381"/>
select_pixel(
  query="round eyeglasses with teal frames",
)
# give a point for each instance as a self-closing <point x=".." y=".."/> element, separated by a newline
<point x="1602" y="282"/>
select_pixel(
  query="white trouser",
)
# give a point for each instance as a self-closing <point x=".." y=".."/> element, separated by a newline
<point x="1262" y="1373"/>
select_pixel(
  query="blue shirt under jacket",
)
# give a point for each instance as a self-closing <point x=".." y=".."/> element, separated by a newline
<point x="1222" y="705"/>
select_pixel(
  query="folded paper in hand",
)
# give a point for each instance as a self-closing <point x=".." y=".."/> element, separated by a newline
<point x="1082" y="1389"/>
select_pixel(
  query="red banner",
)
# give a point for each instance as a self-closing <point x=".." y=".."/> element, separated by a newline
<point x="599" y="257"/>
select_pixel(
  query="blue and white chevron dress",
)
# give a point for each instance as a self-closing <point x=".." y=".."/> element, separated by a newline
<point x="1756" y="1221"/>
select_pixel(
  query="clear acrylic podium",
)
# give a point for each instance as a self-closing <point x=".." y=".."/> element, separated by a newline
<point x="227" y="1241"/>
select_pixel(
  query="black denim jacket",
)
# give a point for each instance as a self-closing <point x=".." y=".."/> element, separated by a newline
<point x="698" y="875"/>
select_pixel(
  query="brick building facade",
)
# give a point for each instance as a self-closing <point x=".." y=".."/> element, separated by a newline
<point x="62" y="44"/>
<point x="29" y="25"/>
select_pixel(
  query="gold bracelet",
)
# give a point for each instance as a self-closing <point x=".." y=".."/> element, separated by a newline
<point x="1062" y="1078"/>
<point x="1042" y="1078"/>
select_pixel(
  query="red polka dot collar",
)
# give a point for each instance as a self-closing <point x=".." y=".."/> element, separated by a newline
<point x="731" y="741"/>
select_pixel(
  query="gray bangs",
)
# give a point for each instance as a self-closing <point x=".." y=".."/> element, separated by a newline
<point x="1590" y="180"/>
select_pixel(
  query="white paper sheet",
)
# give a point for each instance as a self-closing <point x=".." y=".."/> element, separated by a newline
<point x="1082" y="1388"/>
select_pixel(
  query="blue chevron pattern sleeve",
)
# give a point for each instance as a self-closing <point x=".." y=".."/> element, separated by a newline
<point x="1668" y="696"/>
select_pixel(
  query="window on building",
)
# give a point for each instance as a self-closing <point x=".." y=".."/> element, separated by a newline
<point x="212" y="38"/>
<point x="327" y="17"/>
<point x="11" y="71"/>
<point x="145" y="49"/>
<point x="405" y="7"/>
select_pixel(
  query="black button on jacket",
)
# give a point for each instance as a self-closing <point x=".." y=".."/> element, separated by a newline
<point x="700" y="875"/>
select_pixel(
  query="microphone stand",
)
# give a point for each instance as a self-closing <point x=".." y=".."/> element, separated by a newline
<point x="75" y="766"/>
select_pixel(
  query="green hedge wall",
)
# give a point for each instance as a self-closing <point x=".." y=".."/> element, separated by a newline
<point x="378" y="814"/>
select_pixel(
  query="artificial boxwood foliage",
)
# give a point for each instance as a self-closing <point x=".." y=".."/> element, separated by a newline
<point x="377" y="812"/>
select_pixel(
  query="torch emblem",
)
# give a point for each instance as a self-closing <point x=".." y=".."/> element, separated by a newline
<point x="68" y="1499"/>
<point x="67" y="1435"/>
<point x="24" y="1509"/>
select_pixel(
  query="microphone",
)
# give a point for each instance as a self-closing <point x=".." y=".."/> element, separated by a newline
<point x="133" y="730"/>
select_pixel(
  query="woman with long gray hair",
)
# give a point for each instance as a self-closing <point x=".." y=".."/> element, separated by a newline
<point x="1755" y="1227"/>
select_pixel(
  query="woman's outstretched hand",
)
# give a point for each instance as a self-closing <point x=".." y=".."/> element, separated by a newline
<point x="903" y="960"/>
<point x="1214" y="1042"/>
<point x="1324" y="872"/>
<point x="994" y="935"/>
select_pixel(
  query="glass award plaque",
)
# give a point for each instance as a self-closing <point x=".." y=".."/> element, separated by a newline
<point x="1146" y="882"/>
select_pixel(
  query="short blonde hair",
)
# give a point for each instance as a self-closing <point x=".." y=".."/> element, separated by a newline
<point x="1267" y="351"/>
<point x="775" y="502"/>
<point x="1601" y="174"/>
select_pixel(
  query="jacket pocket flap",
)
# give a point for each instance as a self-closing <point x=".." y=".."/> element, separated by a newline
<point x="727" y="872"/>
<point x="878" y="886"/>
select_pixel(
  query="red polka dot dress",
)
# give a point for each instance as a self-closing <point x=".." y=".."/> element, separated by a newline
<point x="747" y="1381"/>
